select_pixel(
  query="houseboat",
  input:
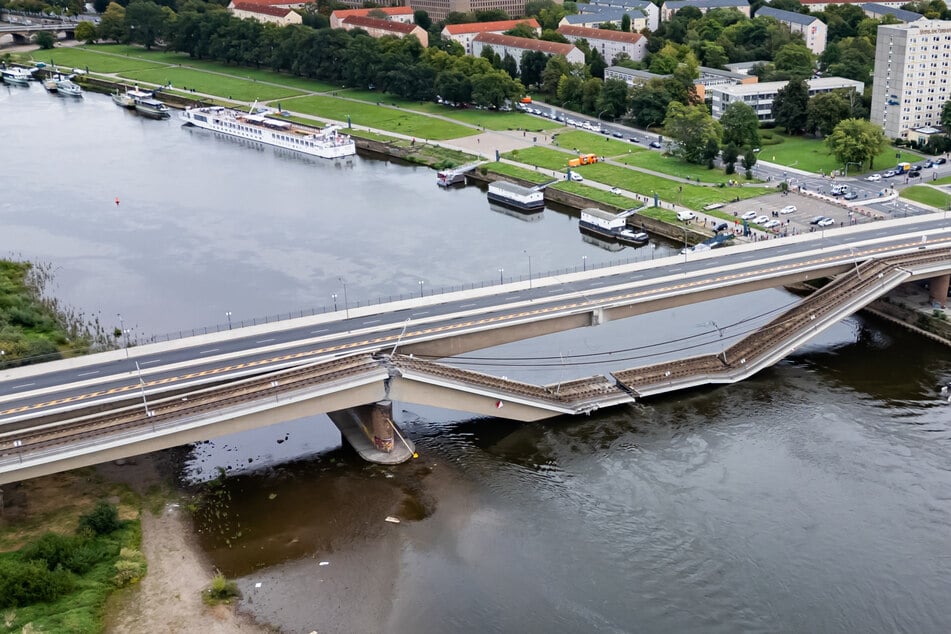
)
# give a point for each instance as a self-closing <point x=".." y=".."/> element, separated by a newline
<point x="610" y="226"/>
<point x="516" y="196"/>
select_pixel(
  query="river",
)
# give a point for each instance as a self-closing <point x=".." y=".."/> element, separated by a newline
<point x="812" y="497"/>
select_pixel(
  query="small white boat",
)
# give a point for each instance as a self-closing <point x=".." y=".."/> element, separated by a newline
<point x="68" y="88"/>
<point x="123" y="99"/>
<point x="17" y="76"/>
<point x="152" y="108"/>
<point x="51" y="84"/>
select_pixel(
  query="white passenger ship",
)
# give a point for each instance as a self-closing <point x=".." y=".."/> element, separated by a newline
<point x="325" y="143"/>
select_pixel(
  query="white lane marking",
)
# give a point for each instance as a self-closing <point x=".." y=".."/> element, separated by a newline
<point x="209" y="351"/>
<point x="88" y="373"/>
<point x="467" y="306"/>
<point x="266" y="340"/>
<point x="16" y="387"/>
<point x="314" y="332"/>
<point x="422" y="312"/>
<point x="554" y="290"/>
<point x="148" y="362"/>
<point x="372" y="321"/>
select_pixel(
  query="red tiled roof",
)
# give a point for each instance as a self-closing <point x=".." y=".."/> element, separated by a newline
<point x="252" y="7"/>
<point x="553" y="48"/>
<point x="346" y="13"/>
<point x="382" y="25"/>
<point x="599" y="34"/>
<point x="483" y="27"/>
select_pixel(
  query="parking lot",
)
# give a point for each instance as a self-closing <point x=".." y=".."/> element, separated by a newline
<point x="798" y="221"/>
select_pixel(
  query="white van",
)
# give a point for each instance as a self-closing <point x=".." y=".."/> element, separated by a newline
<point x="684" y="216"/>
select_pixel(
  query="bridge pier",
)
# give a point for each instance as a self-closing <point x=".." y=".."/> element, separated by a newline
<point x="370" y="430"/>
<point x="938" y="290"/>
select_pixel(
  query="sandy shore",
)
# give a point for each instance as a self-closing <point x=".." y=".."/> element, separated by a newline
<point x="169" y="598"/>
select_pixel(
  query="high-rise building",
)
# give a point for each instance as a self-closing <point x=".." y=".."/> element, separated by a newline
<point x="912" y="73"/>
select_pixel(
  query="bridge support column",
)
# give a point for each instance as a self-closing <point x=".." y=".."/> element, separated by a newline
<point x="938" y="289"/>
<point x="370" y="430"/>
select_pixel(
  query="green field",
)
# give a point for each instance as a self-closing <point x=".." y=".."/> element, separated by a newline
<point x="927" y="196"/>
<point x="380" y="117"/>
<point x="79" y="58"/>
<point x="598" y="195"/>
<point x="514" y="171"/>
<point x="811" y="155"/>
<point x="665" y="164"/>
<point x="489" y="119"/>
<point x="541" y="156"/>
<point x="211" y="83"/>
<point x="590" y="143"/>
<point x="692" y="196"/>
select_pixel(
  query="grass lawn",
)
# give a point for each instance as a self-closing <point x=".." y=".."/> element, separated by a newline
<point x="224" y="86"/>
<point x="811" y="155"/>
<point x="79" y="58"/>
<point x="927" y="196"/>
<point x="590" y="143"/>
<point x="541" y="156"/>
<point x="658" y="162"/>
<point x="514" y="171"/>
<point x="598" y="195"/>
<point x="490" y="119"/>
<point x="692" y="196"/>
<point x="380" y="117"/>
<point x="945" y="180"/>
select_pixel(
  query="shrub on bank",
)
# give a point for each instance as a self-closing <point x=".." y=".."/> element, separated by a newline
<point x="221" y="590"/>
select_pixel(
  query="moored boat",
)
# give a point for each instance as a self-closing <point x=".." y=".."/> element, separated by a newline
<point x="448" y="178"/>
<point x="51" y="84"/>
<point x="17" y="76"/>
<point x="152" y="108"/>
<point x="328" y="142"/>
<point x="66" y="87"/>
<point x="611" y="226"/>
<point x="516" y="196"/>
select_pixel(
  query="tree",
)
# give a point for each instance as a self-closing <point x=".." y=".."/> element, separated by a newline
<point x="45" y="40"/>
<point x="825" y="111"/>
<point x="855" y="141"/>
<point x="522" y="29"/>
<point x="422" y="18"/>
<point x="86" y="32"/>
<point x="570" y="91"/>
<point x="613" y="98"/>
<point x="532" y="66"/>
<point x="145" y="22"/>
<point x="556" y="66"/>
<point x="695" y="133"/>
<point x="730" y="155"/>
<point x="626" y="23"/>
<point x="510" y="66"/>
<point x="789" y="106"/>
<point x="795" y="60"/>
<point x="112" y="23"/>
<point x="946" y="116"/>
<point x="740" y="125"/>
<point x="749" y="160"/>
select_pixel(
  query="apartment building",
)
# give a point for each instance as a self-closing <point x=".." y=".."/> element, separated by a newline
<point x="912" y="72"/>
<point x="607" y="42"/>
<point x="813" y="29"/>
<point x="396" y="14"/>
<point x="377" y="27"/>
<point x="760" y="96"/>
<point x="673" y="6"/>
<point x="282" y="16"/>
<point x="465" y="33"/>
<point x="515" y="46"/>
<point x="439" y="9"/>
<point x="879" y="11"/>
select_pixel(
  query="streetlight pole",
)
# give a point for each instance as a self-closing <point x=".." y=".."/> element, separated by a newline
<point x="529" y="267"/>
<point x="228" y="315"/>
<point x="584" y="263"/>
<point x="421" y="288"/>
<point x="346" y="302"/>
<point x="334" y="297"/>
<point x="501" y="278"/>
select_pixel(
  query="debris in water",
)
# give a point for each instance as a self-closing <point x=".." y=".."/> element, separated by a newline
<point x="392" y="520"/>
<point x="272" y="496"/>
<point x="324" y="563"/>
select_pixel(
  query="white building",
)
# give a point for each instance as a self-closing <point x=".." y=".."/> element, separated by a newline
<point x="812" y="28"/>
<point x="609" y="43"/>
<point x="643" y="14"/>
<point x="760" y="96"/>
<point x="878" y="11"/>
<point x="912" y="73"/>
<point x="515" y="46"/>
<point x="281" y="16"/>
<point x="465" y="33"/>
<point x="395" y="14"/>
<point x="673" y="6"/>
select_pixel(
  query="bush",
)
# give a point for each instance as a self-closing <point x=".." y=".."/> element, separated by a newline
<point x="28" y="582"/>
<point x="221" y="590"/>
<point x="130" y="568"/>
<point x="74" y="553"/>
<point x="102" y="520"/>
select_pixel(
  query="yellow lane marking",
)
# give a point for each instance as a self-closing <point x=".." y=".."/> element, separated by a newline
<point x="451" y="327"/>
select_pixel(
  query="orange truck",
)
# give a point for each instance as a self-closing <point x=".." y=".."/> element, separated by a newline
<point x="583" y="159"/>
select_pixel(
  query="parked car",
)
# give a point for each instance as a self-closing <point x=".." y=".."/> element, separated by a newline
<point x="817" y="220"/>
<point x="749" y="215"/>
<point x="825" y="222"/>
<point x="615" y="190"/>
<point x="656" y="145"/>
<point x="873" y="177"/>
<point x="684" y="216"/>
<point x="723" y="226"/>
<point x="633" y="139"/>
<point x="769" y="224"/>
<point x="940" y="160"/>
<point x="851" y="196"/>
<point x="761" y="219"/>
<point x="575" y="176"/>
<point x="616" y="134"/>
<point x="914" y="174"/>
<point x="788" y="209"/>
